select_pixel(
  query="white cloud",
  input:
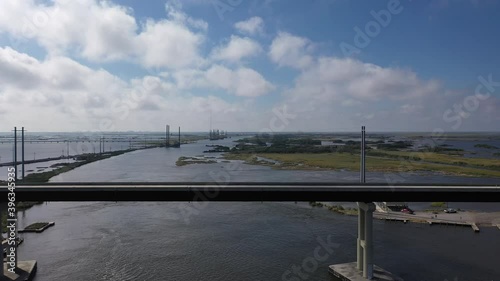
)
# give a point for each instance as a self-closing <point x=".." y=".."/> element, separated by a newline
<point x="168" y="44"/>
<point x="331" y="91"/>
<point x="254" y="25"/>
<point x="174" y="11"/>
<point x="244" y="82"/>
<point x="60" y="94"/>
<point x="290" y="50"/>
<point x="236" y="49"/>
<point x="410" y="108"/>
<point x="103" y="31"/>
<point x="345" y="78"/>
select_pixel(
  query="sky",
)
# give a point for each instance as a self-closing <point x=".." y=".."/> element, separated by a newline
<point x="250" y="65"/>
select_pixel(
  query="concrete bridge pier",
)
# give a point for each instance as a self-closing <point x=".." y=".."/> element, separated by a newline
<point x="363" y="269"/>
<point x="365" y="239"/>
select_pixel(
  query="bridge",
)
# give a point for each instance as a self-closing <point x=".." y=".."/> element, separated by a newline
<point x="260" y="192"/>
<point x="362" y="193"/>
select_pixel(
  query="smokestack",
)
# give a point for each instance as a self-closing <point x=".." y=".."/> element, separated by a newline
<point x="179" y="136"/>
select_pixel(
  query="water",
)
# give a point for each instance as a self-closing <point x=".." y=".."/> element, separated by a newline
<point x="478" y="152"/>
<point x="158" y="164"/>
<point x="50" y="145"/>
<point x="239" y="241"/>
<point x="235" y="241"/>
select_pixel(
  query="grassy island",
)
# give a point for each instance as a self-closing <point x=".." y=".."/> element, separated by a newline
<point x="487" y="146"/>
<point x="292" y="152"/>
<point x="183" y="161"/>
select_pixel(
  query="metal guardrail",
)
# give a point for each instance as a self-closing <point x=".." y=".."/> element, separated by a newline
<point x="258" y="192"/>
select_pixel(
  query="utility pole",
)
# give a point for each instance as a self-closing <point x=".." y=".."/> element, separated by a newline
<point x="22" y="150"/>
<point x="363" y="158"/>
<point x="15" y="153"/>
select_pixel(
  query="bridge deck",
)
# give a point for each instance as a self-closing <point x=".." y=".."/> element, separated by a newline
<point x="252" y="192"/>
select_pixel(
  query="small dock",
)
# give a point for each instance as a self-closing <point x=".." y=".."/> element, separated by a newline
<point x="350" y="272"/>
<point x="37" y="228"/>
<point x="25" y="271"/>
<point x="443" y="222"/>
<point x="420" y="219"/>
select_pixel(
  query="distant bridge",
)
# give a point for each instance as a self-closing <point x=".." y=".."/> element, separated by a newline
<point x="112" y="140"/>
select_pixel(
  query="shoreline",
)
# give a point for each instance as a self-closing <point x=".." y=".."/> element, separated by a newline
<point x="461" y="218"/>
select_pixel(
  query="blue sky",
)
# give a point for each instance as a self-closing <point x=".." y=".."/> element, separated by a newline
<point x="130" y="65"/>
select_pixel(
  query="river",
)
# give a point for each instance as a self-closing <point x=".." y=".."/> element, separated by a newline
<point x="235" y="241"/>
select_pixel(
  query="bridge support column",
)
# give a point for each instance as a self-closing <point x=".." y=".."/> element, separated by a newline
<point x="361" y="237"/>
<point x="365" y="239"/>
